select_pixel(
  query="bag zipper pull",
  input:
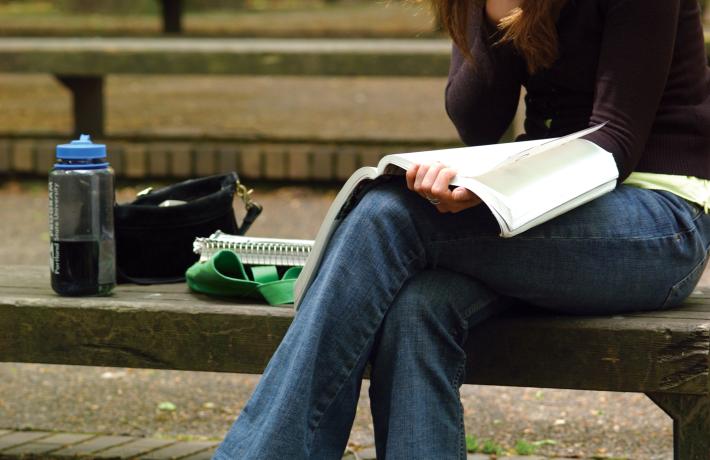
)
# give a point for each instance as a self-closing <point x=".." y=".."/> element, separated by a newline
<point x="245" y="194"/>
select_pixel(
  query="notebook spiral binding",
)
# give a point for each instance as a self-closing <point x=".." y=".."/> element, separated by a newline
<point x="256" y="251"/>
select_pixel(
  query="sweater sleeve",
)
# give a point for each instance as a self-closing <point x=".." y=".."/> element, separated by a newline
<point x="634" y="63"/>
<point x="482" y="96"/>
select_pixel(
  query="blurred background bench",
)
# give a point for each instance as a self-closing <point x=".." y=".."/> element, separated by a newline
<point x="81" y="64"/>
<point x="346" y="40"/>
<point x="83" y="46"/>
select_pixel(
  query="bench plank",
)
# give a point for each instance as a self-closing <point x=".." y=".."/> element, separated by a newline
<point x="236" y="56"/>
<point x="243" y="56"/>
<point x="168" y="327"/>
<point x="631" y="353"/>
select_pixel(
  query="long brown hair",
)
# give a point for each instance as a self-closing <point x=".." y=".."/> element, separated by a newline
<point x="530" y="28"/>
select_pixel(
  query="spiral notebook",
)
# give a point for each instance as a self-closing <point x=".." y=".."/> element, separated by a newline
<point x="256" y="251"/>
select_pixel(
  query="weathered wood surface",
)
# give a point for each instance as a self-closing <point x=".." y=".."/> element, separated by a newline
<point x="167" y="327"/>
<point x="341" y="57"/>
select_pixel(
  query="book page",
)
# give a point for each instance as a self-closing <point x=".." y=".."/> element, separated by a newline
<point x="542" y="182"/>
<point x="467" y="161"/>
<point x="563" y="208"/>
<point x="550" y="144"/>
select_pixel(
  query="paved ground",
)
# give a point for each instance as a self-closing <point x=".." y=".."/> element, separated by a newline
<point x="128" y="402"/>
<point x="53" y="445"/>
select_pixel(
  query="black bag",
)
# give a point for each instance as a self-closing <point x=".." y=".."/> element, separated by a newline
<point x="155" y="233"/>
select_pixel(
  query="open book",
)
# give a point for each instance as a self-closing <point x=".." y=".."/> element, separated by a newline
<point x="523" y="183"/>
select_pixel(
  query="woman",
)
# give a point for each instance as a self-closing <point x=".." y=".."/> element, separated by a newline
<point x="415" y="265"/>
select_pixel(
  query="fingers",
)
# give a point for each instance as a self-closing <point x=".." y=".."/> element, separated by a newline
<point x="462" y="194"/>
<point x="425" y="178"/>
<point x="440" y="187"/>
<point x="462" y="198"/>
<point x="411" y="175"/>
<point x="432" y="181"/>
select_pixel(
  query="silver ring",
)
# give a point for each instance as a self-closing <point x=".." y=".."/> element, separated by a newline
<point x="431" y="200"/>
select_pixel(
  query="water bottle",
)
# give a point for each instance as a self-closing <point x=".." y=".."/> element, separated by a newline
<point x="81" y="199"/>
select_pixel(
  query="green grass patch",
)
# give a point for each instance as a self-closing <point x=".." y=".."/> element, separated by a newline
<point x="523" y="447"/>
<point x="491" y="448"/>
<point x="472" y="445"/>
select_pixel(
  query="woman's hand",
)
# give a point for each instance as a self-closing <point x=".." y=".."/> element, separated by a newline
<point x="432" y="183"/>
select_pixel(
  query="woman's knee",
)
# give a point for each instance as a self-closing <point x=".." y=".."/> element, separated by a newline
<point x="386" y="200"/>
<point x="436" y="302"/>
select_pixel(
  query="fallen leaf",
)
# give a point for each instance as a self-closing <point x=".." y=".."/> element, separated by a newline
<point x="167" y="406"/>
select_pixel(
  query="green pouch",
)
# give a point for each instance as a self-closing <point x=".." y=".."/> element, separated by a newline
<point x="224" y="275"/>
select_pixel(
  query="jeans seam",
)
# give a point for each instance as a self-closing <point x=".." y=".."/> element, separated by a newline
<point x="455" y="385"/>
<point x="678" y="284"/>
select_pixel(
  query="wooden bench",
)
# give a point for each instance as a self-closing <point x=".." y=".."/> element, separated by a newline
<point x="82" y="63"/>
<point x="665" y="355"/>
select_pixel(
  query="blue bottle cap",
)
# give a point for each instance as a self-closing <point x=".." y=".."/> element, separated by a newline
<point x="81" y="149"/>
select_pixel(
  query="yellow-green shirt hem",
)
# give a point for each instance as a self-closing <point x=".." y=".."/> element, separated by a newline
<point x="690" y="188"/>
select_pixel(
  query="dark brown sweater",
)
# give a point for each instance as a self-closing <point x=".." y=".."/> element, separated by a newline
<point x="639" y="64"/>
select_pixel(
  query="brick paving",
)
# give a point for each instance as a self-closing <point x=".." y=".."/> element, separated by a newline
<point x="46" y="445"/>
<point x="12" y="439"/>
<point x="87" y="448"/>
<point x="180" y="450"/>
<point x="136" y="448"/>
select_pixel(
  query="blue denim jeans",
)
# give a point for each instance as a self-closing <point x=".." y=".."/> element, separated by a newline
<point x="401" y="284"/>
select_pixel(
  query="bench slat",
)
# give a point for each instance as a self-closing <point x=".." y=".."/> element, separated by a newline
<point x="167" y="327"/>
<point x="631" y="353"/>
<point x="242" y="56"/>
<point x="237" y="56"/>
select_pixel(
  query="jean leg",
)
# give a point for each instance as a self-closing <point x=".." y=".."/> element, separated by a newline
<point x="418" y="365"/>
<point x="331" y="435"/>
<point x="325" y="350"/>
<point x="629" y="250"/>
<point x="623" y="251"/>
